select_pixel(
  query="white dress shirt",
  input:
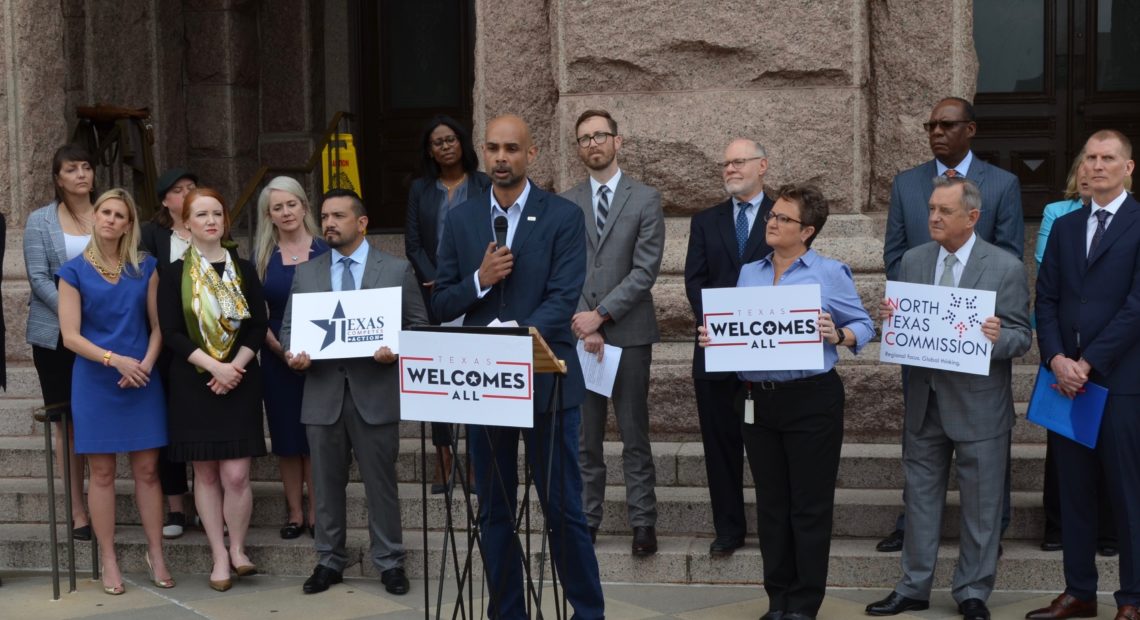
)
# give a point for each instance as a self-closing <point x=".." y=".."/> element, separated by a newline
<point x="514" y="216"/>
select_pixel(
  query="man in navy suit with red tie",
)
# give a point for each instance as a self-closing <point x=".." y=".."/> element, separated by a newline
<point x="1088" y="329"/>
<point x="721" y="239"/>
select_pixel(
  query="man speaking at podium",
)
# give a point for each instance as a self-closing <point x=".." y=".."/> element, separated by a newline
<point x="531" y="272"/>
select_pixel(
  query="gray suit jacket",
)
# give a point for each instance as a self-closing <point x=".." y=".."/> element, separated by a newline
<point x="44" y="253"/>
<point x="623" y="264"/>
<point x="1001" y="223"/>
<point x="973" y="407"/>
<point x="375" y="388"/>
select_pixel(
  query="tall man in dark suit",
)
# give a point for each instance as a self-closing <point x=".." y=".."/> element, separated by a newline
<point x="721" y="239"/>
<point x="625" y="238"/>
<point x="535" y="279"/>
<point x="351" y="406"/>
<point x="1088" y="329"/>
<point x="950" y="129"/>
<point x="964" y="415"/>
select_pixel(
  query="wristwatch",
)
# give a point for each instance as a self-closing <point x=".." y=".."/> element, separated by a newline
<point x="842" y="337"/>
<point x="602" y="312"/>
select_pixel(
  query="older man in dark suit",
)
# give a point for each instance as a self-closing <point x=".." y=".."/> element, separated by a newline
<point x="721" y="239"/>
<point x="1088" y="329"/>
<point x="351" y="407"/>
<point x="534" y="279"/>
<point x="950" y="129"/>
<point x="625" y="237"/>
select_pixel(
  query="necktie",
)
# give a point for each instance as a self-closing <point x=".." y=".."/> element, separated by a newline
<point x="603" y="207"/>
<point x="1101" y="224"/>
<point x="347" y="283"/>
<point x="947" y="278"/>
<point x="950" y="172"/>
<point x="742" y="228"/>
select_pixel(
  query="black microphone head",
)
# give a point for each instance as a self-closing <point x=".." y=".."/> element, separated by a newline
<point x="501" y="230"/>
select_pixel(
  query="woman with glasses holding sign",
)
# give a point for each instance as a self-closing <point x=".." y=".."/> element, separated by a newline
<point x="793" y="419"/>
<point x="213" y="318"/>
<point x="450" y="177"/>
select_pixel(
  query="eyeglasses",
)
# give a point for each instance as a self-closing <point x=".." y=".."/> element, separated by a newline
<point x="439" y="142"/>
<point x="599" y="138"/>
<point x="945" y="125"/>
<point x="780" y="218"/>
<point x="737" y="163"/>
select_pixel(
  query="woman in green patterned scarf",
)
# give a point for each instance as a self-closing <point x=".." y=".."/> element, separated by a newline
<point x="213" y="319"/>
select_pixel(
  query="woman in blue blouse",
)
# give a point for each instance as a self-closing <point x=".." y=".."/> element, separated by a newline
<point x="796" y="431"/>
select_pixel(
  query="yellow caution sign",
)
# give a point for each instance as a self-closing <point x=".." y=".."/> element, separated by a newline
<point x="338" y="161"/>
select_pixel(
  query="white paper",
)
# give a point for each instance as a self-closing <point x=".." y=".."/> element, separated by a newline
<point x="498" y="323"/>
<point x="599" y="375"/>
<point x="467" y="379"/>
<point x="343" y="324"/>
<point x="938" y="327"/>
<point x="763" y="328"/>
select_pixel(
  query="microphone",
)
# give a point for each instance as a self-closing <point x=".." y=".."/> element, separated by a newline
<point x="501" y="231"/>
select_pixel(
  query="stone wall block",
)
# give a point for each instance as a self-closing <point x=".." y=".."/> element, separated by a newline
<point x="675" y="141"/>
<point x="221" y="47"/>
<point x="121" y="71"/>
<point x="74" y="8"/>
<point x="286" y="152"/>
<point x="75" y="47"/>
<point x="16" y="321"/>
<point x="246" y="113"/>
<point x="647" y="45"/>
<point x="209" y="119"/>
<point x="286" y="45"/>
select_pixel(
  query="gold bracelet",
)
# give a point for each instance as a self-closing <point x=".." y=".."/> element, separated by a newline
<point x="107" y="358"/>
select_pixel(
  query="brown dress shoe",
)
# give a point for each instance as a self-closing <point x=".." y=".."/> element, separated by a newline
<point x="1128" y="612"/>
<point x="1065" y="606"/>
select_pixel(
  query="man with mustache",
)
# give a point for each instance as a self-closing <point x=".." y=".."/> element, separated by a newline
<point x="536" y="280"/>
<point x="625" y="238"/>
<point x="950" y="129"/>
<point x="351" y="407"/>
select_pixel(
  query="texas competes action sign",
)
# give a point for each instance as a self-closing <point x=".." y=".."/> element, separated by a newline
<point x="763" y="328"/>
<point x="336" y="325"/>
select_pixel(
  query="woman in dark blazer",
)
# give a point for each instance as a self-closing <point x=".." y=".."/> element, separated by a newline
<point x="450" y="177"/>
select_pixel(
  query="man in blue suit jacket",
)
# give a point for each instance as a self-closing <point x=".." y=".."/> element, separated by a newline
<point x="949" y="131"/>
<point x="1088" y="329"/>
<point x="534" y="279"/>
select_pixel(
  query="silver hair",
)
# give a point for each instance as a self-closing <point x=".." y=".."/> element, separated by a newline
<point x="971" y="195"/>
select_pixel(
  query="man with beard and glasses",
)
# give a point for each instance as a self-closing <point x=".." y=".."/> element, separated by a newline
<point x="351" y="407"/>
<point x="625" y="237"/>
<point x="535" y="278"/>
<point x="721" y="239"/>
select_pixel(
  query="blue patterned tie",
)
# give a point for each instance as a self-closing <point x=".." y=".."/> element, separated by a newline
<point x="1101" y="225"/>
<point x="742" y="228"/>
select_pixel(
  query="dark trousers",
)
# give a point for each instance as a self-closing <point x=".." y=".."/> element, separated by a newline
<point x="793" y="450"/>
<point x="494" y="455"/>
<point x="1077" y="468"/>
<point x="1051" y="500"/>
<point x="720" y="420"/>
<point x="171" y="475"/>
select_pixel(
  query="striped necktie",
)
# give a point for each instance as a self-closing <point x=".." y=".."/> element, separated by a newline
<point x="603" y="207"/>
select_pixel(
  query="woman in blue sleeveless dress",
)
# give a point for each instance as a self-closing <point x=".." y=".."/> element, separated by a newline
<point x="107" y="316"/>
<point x="287" y="236"/>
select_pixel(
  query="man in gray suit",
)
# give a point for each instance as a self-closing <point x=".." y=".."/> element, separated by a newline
<point x="964" y="415"/>
<point x="950" y="129"/>
<point x="351" y="406"/>
<point x="625" y="237"/>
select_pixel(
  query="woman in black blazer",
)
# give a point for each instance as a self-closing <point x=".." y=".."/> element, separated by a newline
<point x="449" y="177"/>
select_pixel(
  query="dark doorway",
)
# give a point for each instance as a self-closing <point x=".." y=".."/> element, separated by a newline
<point x="412" y="60"/>
<point x="1051" y="72"/>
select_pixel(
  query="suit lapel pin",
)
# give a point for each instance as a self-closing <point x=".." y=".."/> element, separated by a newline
<point x="531" y="218"/>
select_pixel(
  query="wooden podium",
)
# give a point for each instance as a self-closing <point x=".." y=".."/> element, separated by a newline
<point x="544" y="362"/>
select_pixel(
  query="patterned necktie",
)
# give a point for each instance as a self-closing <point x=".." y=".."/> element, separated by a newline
<point x="347" y="283"/>
<point x="742" y="228"/>
<point x="947" y="278"/>
<point x="603" y="207"/>
<point x="1101" y="224"/>
<point x="950" y="172"/>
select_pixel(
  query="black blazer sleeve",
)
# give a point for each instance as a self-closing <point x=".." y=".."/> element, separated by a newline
<point x="419" y="232"/>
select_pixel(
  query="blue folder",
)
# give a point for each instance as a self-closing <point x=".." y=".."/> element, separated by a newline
<point x="1077" y="418"/>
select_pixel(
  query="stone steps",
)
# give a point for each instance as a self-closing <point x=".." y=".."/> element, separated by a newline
<point x="681" y="510"/>
<point x="680" y="559"/>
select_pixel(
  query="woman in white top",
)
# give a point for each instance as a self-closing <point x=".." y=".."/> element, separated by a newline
<point x="54" y="234"/>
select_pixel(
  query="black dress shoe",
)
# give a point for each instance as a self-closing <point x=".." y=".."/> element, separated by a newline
<point x="775" y="614"/>
<point x="321" y="579"/>
<point x="724" y="547"/>
<point x="894" y="604"/>
<point x="1051" y="544"/>
<point x="1107" y="551"/>
<point x="893" y="542"/>
<point x="395" y="581"/>
<point x="974" y="609"/>
<point x="797" y="615"/>
<point x="291" y="530"/>
<point x="644" y="541"/>
<point x="82" y="533"/>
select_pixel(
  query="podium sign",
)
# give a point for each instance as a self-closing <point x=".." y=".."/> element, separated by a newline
<point x="337" y="325"/>
<point x="467" y="378"/>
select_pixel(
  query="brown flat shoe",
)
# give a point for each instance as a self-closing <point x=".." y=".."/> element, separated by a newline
<point x="1064" y="606"/>
<point x="222" y="585"/>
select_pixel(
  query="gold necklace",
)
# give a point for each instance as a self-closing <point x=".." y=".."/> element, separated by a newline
<point x="103" y="271"/>
<point x="457" y="183"/>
